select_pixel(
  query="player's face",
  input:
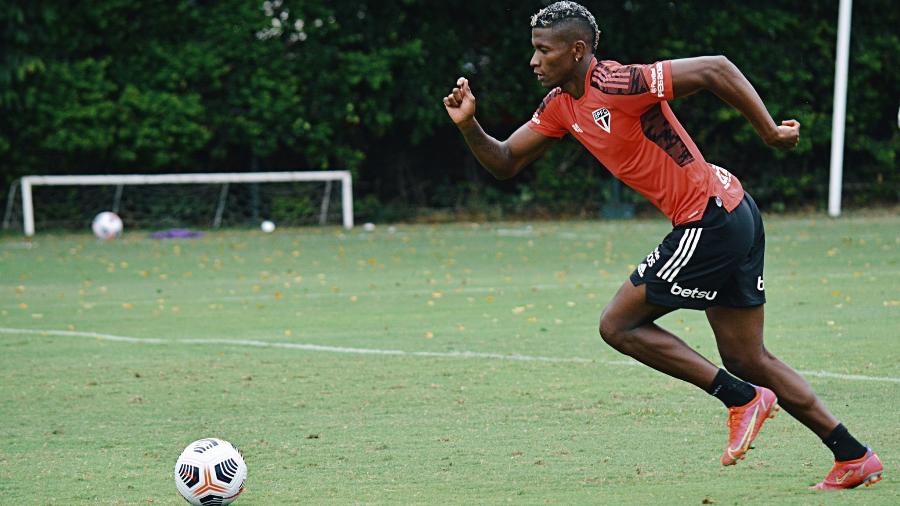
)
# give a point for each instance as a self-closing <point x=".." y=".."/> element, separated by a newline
<point x="554" y="58"/>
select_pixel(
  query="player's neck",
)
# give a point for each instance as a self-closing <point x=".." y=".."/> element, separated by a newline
<point x="575" y="86"/>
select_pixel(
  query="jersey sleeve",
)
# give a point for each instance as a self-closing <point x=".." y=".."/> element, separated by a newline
<point x="547" y="119"/>
<point x="651" y="84"/>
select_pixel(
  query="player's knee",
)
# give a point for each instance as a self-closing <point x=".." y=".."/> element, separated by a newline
<point x="610" y="331"/>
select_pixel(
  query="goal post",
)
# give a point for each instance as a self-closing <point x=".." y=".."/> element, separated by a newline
<point x="27" y="183"/>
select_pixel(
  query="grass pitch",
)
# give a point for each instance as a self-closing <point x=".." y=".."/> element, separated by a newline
<point x="453" y="364"/>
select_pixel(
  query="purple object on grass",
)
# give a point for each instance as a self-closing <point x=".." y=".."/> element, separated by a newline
<point x="176" y="233"/>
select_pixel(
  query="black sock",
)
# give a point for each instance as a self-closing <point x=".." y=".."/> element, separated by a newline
<point x="843" y="445"/>
<point x="730" y="390"/>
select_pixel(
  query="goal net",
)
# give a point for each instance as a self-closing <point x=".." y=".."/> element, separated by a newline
<point x="161" y="201"/>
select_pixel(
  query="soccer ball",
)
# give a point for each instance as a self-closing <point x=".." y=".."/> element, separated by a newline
<point x="107" y="225"/>
<point x="210" y="472"/>
<point x="267" y="226"/>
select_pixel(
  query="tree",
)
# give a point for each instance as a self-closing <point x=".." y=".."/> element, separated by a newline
<point x="194" y="85"/>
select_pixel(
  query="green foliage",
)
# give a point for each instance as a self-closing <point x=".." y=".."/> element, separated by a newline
<point x="568" y="179"/>
<point x="291" y="209"/>
<point x="120" y="86"/>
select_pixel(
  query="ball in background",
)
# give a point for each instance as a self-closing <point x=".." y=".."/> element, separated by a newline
<point x="107" y="225"/>
<point x="210" y="471"/>
<point x="267" y="226"/>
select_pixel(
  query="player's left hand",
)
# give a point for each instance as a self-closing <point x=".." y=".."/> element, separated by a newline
<point x="787" y="135"/>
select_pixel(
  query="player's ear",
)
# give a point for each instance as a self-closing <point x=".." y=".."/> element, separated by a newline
<point x="579" y="49"/>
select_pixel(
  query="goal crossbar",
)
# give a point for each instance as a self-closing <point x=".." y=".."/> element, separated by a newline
<point x="27" y="182"/>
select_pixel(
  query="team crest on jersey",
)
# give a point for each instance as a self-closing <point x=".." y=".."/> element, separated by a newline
<point x="601" y="118"/>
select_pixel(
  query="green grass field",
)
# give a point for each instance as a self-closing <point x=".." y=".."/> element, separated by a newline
<point x="451" y="364"/>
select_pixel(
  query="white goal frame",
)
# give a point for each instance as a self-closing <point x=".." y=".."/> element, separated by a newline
<point x="28" y="182"/>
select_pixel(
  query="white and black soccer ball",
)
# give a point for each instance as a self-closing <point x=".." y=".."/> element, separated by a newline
<point x="210" y="472"/>
<point x="107" y="225"/>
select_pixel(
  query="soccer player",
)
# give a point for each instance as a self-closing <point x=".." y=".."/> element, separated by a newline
<point x="712" y="260"/>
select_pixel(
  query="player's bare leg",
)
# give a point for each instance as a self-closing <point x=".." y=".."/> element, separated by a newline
<point x="739" y="336"/>
<point x="627" y="324"/>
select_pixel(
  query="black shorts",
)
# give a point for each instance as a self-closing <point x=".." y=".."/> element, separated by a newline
<point x="716" y="261"/>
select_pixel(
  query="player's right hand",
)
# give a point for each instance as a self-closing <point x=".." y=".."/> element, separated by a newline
<point x="460" y="103"/>
<point x="787" y="135"/>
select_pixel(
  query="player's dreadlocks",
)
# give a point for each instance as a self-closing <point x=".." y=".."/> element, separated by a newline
<point x="561" y="11"/>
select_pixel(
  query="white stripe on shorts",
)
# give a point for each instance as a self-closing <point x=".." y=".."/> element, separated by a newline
<point x="682" y="255"/>
<point x="672" y="258"/>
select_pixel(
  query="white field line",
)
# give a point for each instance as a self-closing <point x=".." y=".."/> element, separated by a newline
<point x="397" y="353"/>
<point x="298" y="346"/>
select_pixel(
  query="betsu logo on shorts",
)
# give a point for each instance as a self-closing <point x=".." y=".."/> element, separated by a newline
<point x="693" y="293"/>
<point x="602" y="118"/>
<point x="760" y="283"/>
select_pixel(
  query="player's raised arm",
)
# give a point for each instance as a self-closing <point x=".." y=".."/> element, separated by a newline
<point x="503" y="159"/>
<point x="718" y="75"/>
